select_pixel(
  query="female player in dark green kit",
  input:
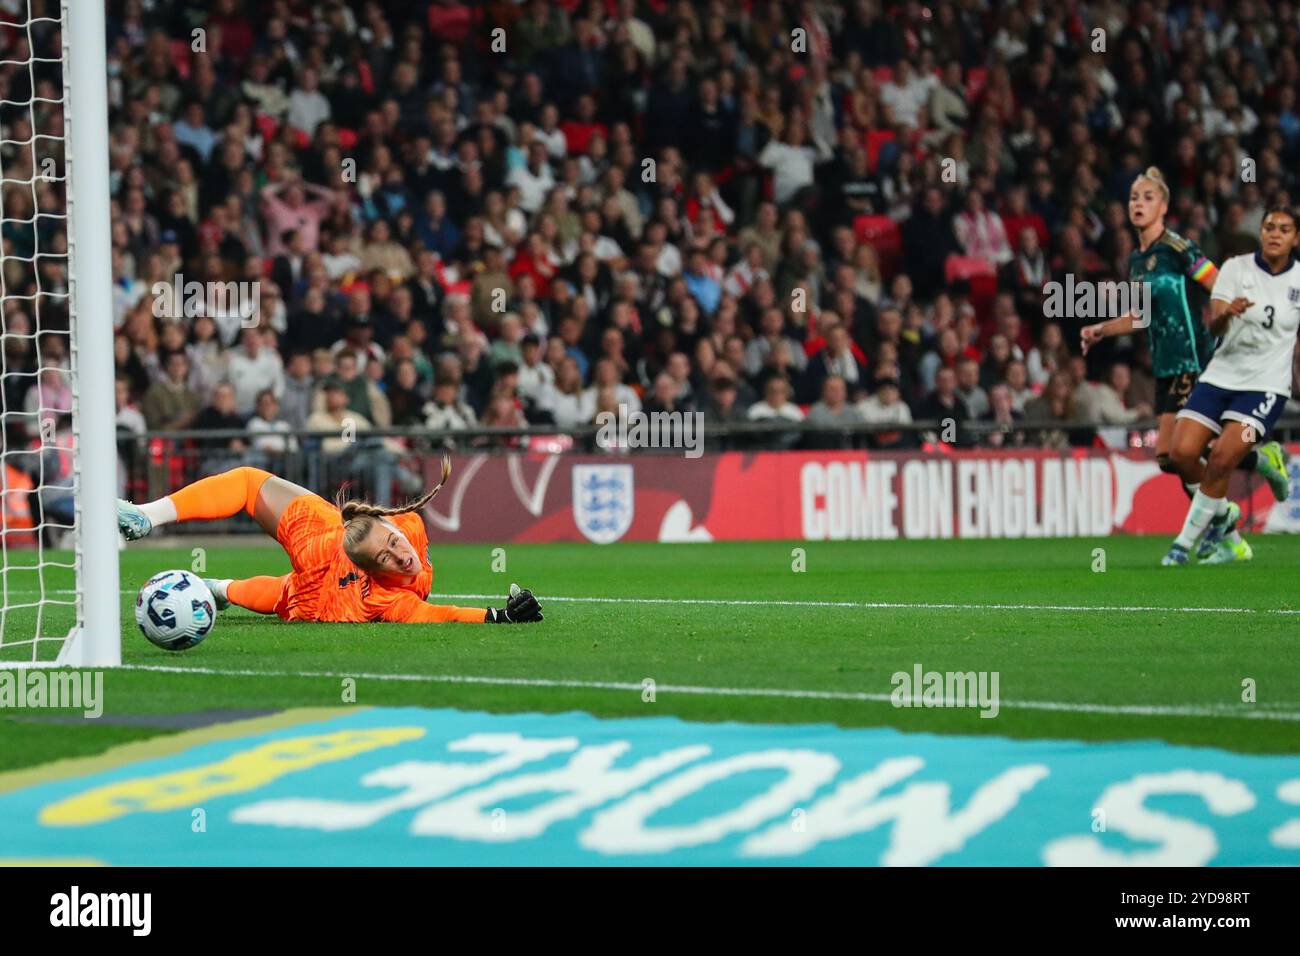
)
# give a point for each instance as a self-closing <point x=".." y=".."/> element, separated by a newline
<point x="1181" y="345"/>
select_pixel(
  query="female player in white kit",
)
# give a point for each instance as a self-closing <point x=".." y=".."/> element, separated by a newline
<point x="1255" y="307"/>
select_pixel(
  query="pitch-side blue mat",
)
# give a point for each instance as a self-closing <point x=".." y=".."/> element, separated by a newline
<point x="411" y="786"/>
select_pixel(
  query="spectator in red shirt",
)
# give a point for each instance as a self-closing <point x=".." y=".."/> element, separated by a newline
<point x="579" y="130"/>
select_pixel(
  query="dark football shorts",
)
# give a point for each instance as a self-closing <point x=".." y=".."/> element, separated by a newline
<point x="1211" y="406"/>
<point x="1172" y="392"/>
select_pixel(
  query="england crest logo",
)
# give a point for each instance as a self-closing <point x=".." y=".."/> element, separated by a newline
<point x="603" y="501"/>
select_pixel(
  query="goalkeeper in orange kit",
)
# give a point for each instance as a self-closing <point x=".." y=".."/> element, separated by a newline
<point x="351" y="562"/>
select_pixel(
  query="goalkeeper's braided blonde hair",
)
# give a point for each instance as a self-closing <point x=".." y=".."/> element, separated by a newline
<point x="359" y="517"/>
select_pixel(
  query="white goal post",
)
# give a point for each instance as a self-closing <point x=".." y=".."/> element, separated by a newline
<point x="97" y="638"/>
<point x="82" y="620"/>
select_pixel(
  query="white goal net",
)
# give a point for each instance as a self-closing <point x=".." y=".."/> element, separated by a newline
<point x="58" y="550"/>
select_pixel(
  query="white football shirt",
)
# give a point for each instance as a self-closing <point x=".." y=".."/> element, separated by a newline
<point x="1254" y="354"/>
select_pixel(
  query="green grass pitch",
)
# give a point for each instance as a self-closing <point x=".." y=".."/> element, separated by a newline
<point x="732" y="632"/>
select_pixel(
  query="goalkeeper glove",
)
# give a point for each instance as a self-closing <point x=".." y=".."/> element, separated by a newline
<point x="521" y="608"/>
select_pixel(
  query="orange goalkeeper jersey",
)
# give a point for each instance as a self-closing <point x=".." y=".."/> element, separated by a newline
<point x="326" y="586"/>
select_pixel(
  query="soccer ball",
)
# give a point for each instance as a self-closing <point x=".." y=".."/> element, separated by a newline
<point x="175" y="610"/>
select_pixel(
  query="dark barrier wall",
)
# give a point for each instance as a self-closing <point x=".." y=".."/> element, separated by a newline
<point x="824" y="495"/>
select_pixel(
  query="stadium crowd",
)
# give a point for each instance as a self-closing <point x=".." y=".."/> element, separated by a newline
<point x="505" y="213"/>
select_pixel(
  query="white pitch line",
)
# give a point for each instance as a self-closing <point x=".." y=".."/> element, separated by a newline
<point x="1139" y="710"/>
<point x="891" y="605"/>
<point x="856" y="605"/>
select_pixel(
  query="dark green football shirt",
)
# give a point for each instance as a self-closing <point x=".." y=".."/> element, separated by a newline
<point x="1180" y="342"/>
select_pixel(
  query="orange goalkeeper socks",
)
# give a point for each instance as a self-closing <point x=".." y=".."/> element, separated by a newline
<point x="220" y="496"/>
<point x="259" y="594"/>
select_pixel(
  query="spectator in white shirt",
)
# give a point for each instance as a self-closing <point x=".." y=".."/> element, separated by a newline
<point x="606" y="376"/>
<point x="359" y="334"/>
<point x="980" y="231"/>
<point x="252" y="368"/>
<point x="127" y="289"/>
<point x="1047" y="357"/>
<point x="535" y="180"/>
<point x="639" y="33"/>
<point x="536" y="378"/>
<point x="746" y="273"/>
<point x="568" y="399"/>
<point x="340" y="259"/>
<point x="269" y="426"/>
<point x="308" y="107"/>
<point x="550" y="134"/>
<point x="775" y="404"/>
<point x="668" y="258"/>
<point x="906" y="94"/>
<point x="885" y="406"/>
<point x="129" y="418"/>
<point x="446" y="412"/>
<point x="792" y="162"/>
<point x="1228" y="116"/>
<point x="1017" y="383"/>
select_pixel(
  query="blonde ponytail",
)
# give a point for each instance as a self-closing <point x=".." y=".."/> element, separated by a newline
<point x="359" y="517"/>
<point x="1157" y="178"/>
